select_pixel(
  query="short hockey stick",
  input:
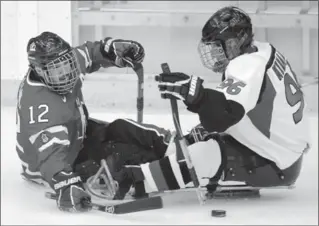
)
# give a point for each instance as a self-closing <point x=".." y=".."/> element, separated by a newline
<point x="188" y="160"/>
<point x="181" y="144"/>
<point x="123" y="208"/>
<point x="139" y="70"/>
<point x="174" y="107"/>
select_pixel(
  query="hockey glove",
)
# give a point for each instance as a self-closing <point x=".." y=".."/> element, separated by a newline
<point x="198" y="134"/>
<point x="123" y="53"/>
<point x="71" y="195"/>
<point x="180" y="86"/>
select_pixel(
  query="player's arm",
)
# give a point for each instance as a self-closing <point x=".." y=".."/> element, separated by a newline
<point x="52" y="146"/>
<point x="107" y="53"/>
<point x="223" y="107"/>
<point x="54" y="151"/>
<point x="216" y="112"/>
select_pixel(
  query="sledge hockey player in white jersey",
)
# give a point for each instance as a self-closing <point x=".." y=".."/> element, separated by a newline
<point x="253" y="129"/>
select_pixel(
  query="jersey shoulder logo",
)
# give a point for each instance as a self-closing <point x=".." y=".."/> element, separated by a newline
<point x="44" y="137"/>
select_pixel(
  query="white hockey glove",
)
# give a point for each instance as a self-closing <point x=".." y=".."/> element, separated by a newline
<point x="71" y="195"/>
<point x="124" y="53"/>
<point x="180" y="86"/>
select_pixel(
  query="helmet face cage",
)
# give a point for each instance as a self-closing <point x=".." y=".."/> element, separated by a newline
<point x="213" y="56"/>
<point x="62" y="73"/>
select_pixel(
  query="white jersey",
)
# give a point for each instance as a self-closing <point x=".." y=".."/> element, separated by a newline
<point x="274" y="125"/>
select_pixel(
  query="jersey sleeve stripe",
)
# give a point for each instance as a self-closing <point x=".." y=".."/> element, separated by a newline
<point x="54" y="129"/>
<point x="86" y="56"/>
<point x="54" y="141"/>
<point x="149" y="128"/>
<point x="27" y="170"/>
<point x="19" y="147"/>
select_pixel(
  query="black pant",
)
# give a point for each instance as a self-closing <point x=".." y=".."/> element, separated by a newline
<point x="136" y="142"/>
<point x="145" y="143"/>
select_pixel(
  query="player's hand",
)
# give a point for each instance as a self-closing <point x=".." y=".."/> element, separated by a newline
<point x="198" y="134"/>
<point x="124" y="53"/>
<point x="180" y="86"/>
<point x="71" y="195"/>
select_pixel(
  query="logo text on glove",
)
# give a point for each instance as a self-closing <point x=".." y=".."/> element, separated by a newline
<point x="67" y="182"/>
<point x="192" y="88"/>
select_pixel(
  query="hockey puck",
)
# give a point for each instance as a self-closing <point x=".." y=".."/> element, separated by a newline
<point x="218" y="213"/>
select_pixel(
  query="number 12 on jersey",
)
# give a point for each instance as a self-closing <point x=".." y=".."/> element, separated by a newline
<point x="40" y="117"/>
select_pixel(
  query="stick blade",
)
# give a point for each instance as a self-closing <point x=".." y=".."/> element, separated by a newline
<point x="139" y="205"/>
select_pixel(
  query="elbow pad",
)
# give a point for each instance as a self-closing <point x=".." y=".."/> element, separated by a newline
<point x="216" y="113"/>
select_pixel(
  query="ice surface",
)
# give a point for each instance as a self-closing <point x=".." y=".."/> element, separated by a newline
<point x="22" y="203"/>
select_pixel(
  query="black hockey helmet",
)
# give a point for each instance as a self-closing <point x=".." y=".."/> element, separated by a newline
<point x="226" y="35"/>
<point x="55" y="61"/>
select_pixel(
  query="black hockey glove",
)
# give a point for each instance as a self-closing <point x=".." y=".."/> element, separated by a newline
<point x="71" y="195"/>
<point x="123" y="53"/>
<point x="180" y="86"/>
<point x="198" y="134"/>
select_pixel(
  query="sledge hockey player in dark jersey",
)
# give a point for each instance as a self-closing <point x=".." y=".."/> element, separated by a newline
<point x="253" y="129"/>
<point x="57" y="142"/>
